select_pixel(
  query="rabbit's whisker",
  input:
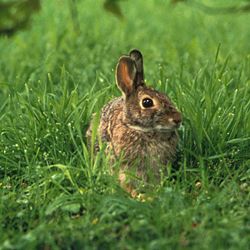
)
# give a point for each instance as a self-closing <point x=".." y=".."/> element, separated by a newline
<point x="140" y="128"/>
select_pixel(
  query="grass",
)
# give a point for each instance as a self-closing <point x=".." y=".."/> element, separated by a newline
<point x="55" y="194"/>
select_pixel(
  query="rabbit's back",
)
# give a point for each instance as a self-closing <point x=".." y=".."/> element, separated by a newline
<point x="111" y="115"/>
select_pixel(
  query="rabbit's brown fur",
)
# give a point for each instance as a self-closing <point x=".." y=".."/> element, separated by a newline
<point x="146" y="137"/>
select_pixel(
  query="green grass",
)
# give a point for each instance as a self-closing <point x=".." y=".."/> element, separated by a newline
<point x="56" y="195"/>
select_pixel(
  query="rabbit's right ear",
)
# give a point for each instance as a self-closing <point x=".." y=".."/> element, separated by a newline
<point x="136" y="55"/>
<point x="125" y="75"/>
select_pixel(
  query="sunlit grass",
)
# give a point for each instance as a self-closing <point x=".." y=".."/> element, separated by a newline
<point x="57" y="194"/>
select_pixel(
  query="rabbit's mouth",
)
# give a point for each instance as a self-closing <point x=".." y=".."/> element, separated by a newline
<point x="169" y="124"/>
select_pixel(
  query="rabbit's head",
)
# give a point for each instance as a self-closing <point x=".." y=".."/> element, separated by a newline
<point x="145" y="108"/>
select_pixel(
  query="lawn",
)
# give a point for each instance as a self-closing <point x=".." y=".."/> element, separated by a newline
<point x="56" y="194"/>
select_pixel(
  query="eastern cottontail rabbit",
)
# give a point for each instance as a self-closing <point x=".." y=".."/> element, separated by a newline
<point x="140" y="125"/>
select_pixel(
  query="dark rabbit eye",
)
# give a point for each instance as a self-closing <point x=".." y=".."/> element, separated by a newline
<point x="147" y="103"/>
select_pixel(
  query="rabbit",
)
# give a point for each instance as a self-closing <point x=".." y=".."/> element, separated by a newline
<point x="140" y="126"/>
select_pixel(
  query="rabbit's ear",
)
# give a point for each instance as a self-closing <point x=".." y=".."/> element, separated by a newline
<point x="126" y="74"/>
<point x="136" y="55"/>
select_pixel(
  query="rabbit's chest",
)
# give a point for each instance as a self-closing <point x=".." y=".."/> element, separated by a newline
<point x="158" y="146"/>
<point x="134" y="145"/>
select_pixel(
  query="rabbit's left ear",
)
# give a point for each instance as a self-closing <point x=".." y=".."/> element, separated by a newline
<point x="125" y="75"/>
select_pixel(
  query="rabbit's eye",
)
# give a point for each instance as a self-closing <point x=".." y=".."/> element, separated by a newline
<point x="147" y="103"/>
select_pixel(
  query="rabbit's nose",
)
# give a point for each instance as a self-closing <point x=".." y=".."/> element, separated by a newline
<point x="177" y="119"/>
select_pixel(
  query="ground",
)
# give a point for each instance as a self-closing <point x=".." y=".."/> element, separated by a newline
<point x="55" y="194"/>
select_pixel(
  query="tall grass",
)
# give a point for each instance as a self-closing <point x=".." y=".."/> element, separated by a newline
<point x="56" y="194"/>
